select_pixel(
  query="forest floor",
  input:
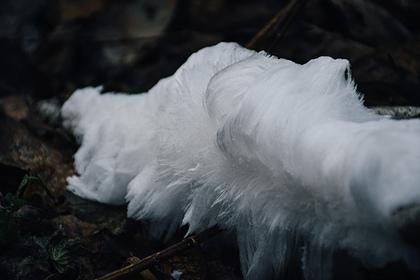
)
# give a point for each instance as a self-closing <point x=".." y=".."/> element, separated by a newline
<point x="47" y="232"/>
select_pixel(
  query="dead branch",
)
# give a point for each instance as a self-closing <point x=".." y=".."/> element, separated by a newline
<point x="398" y="112"/>
<point x="148" y="261"/>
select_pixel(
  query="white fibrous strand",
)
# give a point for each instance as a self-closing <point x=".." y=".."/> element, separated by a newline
<point x="263" y="147"/>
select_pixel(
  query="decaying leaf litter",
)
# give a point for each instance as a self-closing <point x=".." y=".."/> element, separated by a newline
<point x="68" y="237"/>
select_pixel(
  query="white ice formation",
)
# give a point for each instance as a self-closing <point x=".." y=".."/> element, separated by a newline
<point x="261" y="146"/>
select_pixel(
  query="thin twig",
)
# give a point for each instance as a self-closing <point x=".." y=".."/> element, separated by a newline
<point x="279" y="22"/>
<point x="145" y="263"/>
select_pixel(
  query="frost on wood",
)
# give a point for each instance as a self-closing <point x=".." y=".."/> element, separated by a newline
<point x="261" y="146"/>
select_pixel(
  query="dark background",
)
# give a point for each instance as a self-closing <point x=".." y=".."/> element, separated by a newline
<point x="49" y="48"/>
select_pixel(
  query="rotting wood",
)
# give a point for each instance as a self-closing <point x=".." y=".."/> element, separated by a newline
<point x="138" y="266"/>
<point x="398" y="112"/>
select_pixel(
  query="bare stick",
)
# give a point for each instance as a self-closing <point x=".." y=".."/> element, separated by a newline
<point x="145" y="263"/>
<point x="279" y="22"/>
